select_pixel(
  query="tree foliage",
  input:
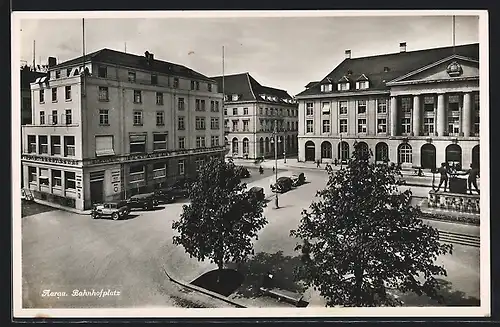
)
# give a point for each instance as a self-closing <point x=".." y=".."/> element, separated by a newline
<point x="222" y="218"/>
<point x="363" y="238"/>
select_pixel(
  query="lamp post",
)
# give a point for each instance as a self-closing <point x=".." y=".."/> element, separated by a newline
<point x="275" y="141"/>
<point x="340" y="150"/>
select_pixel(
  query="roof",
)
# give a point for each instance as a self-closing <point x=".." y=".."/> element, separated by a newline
<point x="248" y="88"/>
<point x="108" y="56"/>
<point x="28" y="76"/>
<point x="398" y="64"/>
<point x="311" y="84"/>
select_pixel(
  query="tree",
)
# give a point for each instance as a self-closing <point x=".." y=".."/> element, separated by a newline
<point x="222" y="218"/>
<point x="363" y="239"/>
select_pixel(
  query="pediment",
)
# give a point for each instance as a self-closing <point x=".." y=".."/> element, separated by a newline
<point x="454" y="67"/>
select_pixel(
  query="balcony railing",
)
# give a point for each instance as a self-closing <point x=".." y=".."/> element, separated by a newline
<point x="136" y="177"/>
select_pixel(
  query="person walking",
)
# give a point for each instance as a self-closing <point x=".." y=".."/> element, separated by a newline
<point x="443" y="179"/>
<point x="317" y="163"/>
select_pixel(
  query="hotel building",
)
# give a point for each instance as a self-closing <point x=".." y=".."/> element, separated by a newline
<point x="251" y="112"/>
<point x="112" y="124"/>
<point x="415" y="108"/>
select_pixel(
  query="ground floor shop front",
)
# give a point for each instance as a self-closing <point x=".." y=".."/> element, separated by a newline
<point x="422" y="152"/>
<point x="80" y="187"/>
<point x="253" y="146"/>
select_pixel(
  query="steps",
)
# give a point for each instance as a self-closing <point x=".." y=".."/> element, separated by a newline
<point x="458" y="238"/>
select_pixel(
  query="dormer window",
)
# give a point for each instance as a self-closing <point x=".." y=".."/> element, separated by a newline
<point x="326" y="87"/>
<point x="362" y="85"/>
<point x="234" y="97"/>
<point x="263" y="96"/>
<point x="343" y="86"/>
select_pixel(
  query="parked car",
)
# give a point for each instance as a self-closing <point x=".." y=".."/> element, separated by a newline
<point x="259" y="192"/>
<point x="165" y="195"/>
<point x="115" y="210"/>
<point x="243" y="172"/>
<point x="282" y="185"/>
<point x="146" y="201"/>
<point x="298" y="179"/>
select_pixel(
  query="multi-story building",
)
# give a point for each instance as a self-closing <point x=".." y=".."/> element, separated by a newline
<point x="28" y="76"/>
<point x="416" y="108"/>
<point x="111" y="124"/>
<point x="251" y="112"/>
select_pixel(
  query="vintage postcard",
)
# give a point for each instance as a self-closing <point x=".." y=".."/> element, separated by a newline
<point x="250" y="164"/>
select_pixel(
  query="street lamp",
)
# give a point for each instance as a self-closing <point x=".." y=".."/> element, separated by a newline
<point x="275" y="136"/>
<point x="340" y="150"/>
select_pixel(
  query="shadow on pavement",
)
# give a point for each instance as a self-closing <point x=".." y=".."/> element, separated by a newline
<point x="228" y="282"/>
<point x="450" y="297"/>
<point x="29" y="208"/>
<point x="281" y="267"/>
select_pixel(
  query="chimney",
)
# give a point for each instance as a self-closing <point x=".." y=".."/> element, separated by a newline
<point x="52" y="61"/>
<point x="402" y="47"/>
<point x="348" y="54"/>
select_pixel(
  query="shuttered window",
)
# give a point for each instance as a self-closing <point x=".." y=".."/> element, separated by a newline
<point x="104" y="146"/>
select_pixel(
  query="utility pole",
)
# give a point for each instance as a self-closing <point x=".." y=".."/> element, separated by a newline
<point x="276" y="160"/>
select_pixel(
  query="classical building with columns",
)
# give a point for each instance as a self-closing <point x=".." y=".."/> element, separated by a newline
<point x="251" y="112"/>
<point x="416" y="108"/>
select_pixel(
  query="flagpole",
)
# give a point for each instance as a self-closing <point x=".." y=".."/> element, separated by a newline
<point x="83" y="56"/>
<point x="453" y="32"/>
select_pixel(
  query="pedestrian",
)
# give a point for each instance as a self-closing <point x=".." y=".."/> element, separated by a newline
<point x="443" y="171"/>
<point x="335" y="162"/>
<point x="273" y="169"/>
<point x="261" y="170"/>
<point x="317" y="163"/>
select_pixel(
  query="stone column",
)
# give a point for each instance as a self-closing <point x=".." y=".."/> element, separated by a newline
<point x="441" y="115"/>
<point x="417" y="112"/>
<point x="466" y="115"/>
<point x="394" y="116"/>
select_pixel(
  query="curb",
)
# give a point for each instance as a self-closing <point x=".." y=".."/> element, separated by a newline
<point x="56" y="206"/>
<point x="202" y="290"/>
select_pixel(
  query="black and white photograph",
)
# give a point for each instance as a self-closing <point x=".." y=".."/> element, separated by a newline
<point x="250" y="164"/>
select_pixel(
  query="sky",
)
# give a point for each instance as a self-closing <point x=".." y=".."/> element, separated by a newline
<point x="281" y="52"/>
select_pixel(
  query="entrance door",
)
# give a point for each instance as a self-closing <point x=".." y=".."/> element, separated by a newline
<point x="310" y="151"/>
<point x="428" y="156"/>
<point x="96" y="191"/>
<point x="475" y="156"/>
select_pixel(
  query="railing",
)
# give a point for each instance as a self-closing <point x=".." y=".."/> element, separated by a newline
<point x="136" y="177"/>
<point x="159" y="173"/>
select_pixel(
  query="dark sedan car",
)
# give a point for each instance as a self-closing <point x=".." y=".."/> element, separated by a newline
<point x="282" y="185"/>
<point x="146" y="201"/>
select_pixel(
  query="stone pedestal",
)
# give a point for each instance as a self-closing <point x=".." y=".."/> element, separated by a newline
<point x="454" y="201"/>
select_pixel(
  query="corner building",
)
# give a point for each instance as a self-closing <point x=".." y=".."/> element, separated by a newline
<point x="415" y="108"/>
<point x="112" y="124"/>
<point x="251" y="112"/>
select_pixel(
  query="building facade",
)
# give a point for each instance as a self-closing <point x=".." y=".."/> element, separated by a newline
<point x="417" y="109"/>
<point x="111" y="124"/>
<point x="252" y="112"/>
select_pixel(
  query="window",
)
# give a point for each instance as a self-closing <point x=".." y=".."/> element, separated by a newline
<point x="288" y="126"/>
<point x="428" y="126"/>
<point x="382" y="106"/>
<point x="54" y="117"/>
<point x="159" y="170"/>
<point x="212" y="105"/>
<point x="476" y="115"/>
<point x="225" y="111"/>
<point x="343" y="86"/>
<point x="54" y="94"/>
<point x="160" y="118"/>
<point x="214" y="139"/>
<point x="67" y="92"/>
<point x="453" y="125"/>
<point x="137" y="117"/>
<point x="42" y="118"/>
<point x="69" y="180"/>
<point x="159" y="98"/>
<point x="245" y="125"/>
<point x="197" y="104"/>
<point x="326" y="126"/>
<point x="245" y="111"/>
<point x="406" y="104"/>
<point x="261" y="111"/>
<point x="197" y="85"/>
<point x="288" y="112"/>
<point x="103" y="93"/>
<point x="453" y="103"/>
<point x="104" y="145"/>
<point x="200" y="123"/>
<point x="326" y="88"/>
<point x="362" y="85"/>
<point x="159" y="141"/>
<point x="343" y="125"/>
<point x="361" y="107"/>
<point x="192" y="85"/>
<point x="405" y="126"/>
<point x="31" y="144"/>
<point x="131" y="77"/>
<point x="58" y="74"/>
<point x="235" y="111"/>
<point x="42" y="95"/>
<point x="405" y="153"/>
<point x="56" y="178"/>
<point x="235" y="97"/>
<point x="32" y="175"/>
<point x="180" y="123"/>
<point x="214" y="123"/>
<point x="182" y="142"/>
<point x="309" y="126"/>
<point x="136" y="173"/>
<point x="102" y="72"/>
<point x="203" y="108"/>
<point x="216" y="106"/>
<point x="43" y="147"/>
<point x="137" y="143"/>
<point x="343" y="108"/>
<point x="309" y="109"/>
<point x="68" y="116"/>
<point x="180" y="104"/>
<point x="69" y="146"/>
<point x="382" y="125"/>
<point x="68" y="72"/>
<point x="429" y="103"/>
<point x="246" y="146"/>
<point x="325" y="109"/>
<point x="104" y="117"/>
<point x="176" y="83"/>
<point x="362" y="125"/>
<point x="154" y="79"/>
<point x="137" y="96"/>
<point x="180" y="167"/>
<point x="209" y="86"/>
<point x="200" y="142"/>
<point x="281" y="112"/>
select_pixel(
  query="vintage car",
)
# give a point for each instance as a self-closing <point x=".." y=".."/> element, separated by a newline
<point x="298" y="179"/>
<point x="146" y="201"/>
<point x="115" y="210"/>
<point x="282" y="185"/>
<point x="259" y="192"/>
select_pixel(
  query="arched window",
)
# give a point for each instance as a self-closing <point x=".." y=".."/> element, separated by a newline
<point x="381" y="152"/>
<point x="343" y="150"/>
<point x="363" y="147"/>
<point x="326" y="150"/>
<point x="475" y="156"/>
<point x="235" y="146"/>
<point x="246" y="146"/>
<point x="261" y="146"/>
<point x="405" y="153"/>
<point x="267" y="144"/>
